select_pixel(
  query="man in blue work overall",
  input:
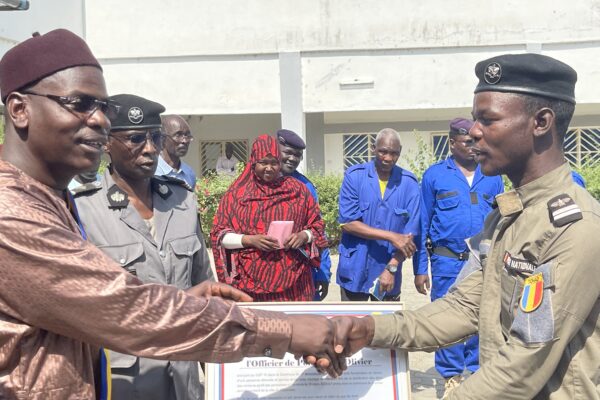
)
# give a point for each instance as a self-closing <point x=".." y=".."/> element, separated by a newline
<point x="456" y="199"/>
<point x="291" y="147"/>
<point x="379" y="210"/>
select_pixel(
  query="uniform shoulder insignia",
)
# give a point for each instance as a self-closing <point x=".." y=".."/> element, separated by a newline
<point x="563" y="210"/>
<point x="117" y="198"/>
<point x="173" y="181"/>
<point x="86" y="188"/>
<point x="162" y="187"/>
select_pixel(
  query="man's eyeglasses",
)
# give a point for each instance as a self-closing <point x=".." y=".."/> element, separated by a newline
<point x="136" y="141"/>
<point x="83" y="104"/>
<point x="466" y="143"/>
<point x="181" y="137"/>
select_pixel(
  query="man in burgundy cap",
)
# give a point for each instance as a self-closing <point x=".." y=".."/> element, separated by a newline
<point x="61" y="297"/>
<point x="456" y="197"/>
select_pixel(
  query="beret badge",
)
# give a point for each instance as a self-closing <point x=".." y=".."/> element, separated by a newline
<point x="493" y="73"/>
<point x="135" y="115"/>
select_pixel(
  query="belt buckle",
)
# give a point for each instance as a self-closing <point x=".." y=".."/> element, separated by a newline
<point x="463" y="256"/>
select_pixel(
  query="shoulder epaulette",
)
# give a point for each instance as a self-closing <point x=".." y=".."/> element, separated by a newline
<point x="563" y="210"/>
<point x="172" y="181"/>
<point x="86" y="188"/>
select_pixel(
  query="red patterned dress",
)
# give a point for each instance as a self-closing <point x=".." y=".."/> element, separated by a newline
<point x="248" y="207"/>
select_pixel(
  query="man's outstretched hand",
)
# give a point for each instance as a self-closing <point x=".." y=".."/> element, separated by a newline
<point x="218" y="289"/>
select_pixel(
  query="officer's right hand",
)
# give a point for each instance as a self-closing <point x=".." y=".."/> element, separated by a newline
<point x="218" y="289"/>
<point x="404" y="243"/>
<point x="260" y="242"/>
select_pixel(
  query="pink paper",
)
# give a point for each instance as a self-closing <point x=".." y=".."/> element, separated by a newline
<point x="280" y="230"/>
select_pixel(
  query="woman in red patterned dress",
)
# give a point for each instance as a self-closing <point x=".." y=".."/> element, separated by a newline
<point x="245" y="256"/>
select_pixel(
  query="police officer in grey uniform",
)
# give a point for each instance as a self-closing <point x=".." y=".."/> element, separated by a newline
<point x="531" y="286"/>
<point x="149" y="225"/>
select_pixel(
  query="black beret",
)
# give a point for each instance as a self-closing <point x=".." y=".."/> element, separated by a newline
<point x="41" y="56"/>
<point x="461" y="126"/>
<point x="532" y="74"/>
<point x="289" y="138"/>
<point x="136" y="113"/>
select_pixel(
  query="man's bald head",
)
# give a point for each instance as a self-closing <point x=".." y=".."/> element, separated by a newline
<point x="388" y="134"/>
<point x="173" y="123"/>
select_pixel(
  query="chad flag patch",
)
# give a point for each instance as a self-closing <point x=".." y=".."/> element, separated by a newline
<point x="533" y="293"/>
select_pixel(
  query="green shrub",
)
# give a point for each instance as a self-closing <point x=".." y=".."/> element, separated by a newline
<point x="591" y="175"/>
<point x="417" y="161"/>
<point x="328" y="187"/>
<point x="210" y="189"/>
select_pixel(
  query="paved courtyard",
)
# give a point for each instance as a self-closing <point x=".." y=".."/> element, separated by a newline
<point x="426" y="383"/>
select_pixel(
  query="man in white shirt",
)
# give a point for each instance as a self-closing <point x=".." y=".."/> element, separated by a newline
<point x="226" y="165"/>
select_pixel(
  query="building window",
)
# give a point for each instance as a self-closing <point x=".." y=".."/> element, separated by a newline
<point x="582" y="146"/>
<point x="440" y="145"/>
<point x="358" y="148"/>
<point x="211" y="150"/>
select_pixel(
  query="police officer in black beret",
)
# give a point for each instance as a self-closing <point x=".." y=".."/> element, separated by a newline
<point x="291" y="147"/>
<point x="531" y="286"/>
<point x="149" y="225"/>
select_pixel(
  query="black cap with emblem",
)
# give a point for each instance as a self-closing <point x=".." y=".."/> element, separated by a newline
<point x="136" y="113"/>
<point x="532" y="74"/>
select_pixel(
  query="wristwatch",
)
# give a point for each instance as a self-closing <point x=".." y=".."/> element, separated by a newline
<point x="392" y="268"/>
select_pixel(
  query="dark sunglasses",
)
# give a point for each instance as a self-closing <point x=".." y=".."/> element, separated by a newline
<point x="83" y="104"/>
<point x="137" y="140"/>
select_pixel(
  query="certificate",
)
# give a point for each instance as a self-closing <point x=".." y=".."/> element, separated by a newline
<point x="372" y="373"/>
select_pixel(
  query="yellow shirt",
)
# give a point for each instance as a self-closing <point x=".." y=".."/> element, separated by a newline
<point x="382" y="186"/>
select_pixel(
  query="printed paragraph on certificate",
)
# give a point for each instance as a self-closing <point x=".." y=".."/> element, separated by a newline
<point x="372" y="373"/>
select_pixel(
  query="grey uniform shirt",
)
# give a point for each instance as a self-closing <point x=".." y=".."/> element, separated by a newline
<point x="531" y="288"/>
<point x="175" y="255"/>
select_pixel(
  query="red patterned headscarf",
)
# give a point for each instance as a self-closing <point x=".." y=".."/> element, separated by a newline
<point x="248" y="207"/>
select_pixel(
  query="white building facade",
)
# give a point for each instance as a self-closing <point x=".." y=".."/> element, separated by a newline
<point x="334" y="71"/>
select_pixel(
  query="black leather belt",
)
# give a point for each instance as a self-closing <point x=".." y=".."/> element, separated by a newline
<point x="446" y="252"/>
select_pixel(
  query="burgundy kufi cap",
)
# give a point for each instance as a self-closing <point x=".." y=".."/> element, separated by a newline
<point x="41" y="56"/>
<point x="461" y="126"/>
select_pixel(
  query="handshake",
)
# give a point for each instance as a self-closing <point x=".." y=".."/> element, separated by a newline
<point x="325" y="343"/>
<point x="322" y="342"/>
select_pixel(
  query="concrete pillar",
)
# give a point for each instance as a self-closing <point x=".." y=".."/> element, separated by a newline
<point x="315" y="142"/>
<point x="290" y="82"/>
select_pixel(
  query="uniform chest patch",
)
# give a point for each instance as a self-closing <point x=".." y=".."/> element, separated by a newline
<point x="533" y="293"/>
<point x="563" y="210"/>
<point x="515" y="264"/>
